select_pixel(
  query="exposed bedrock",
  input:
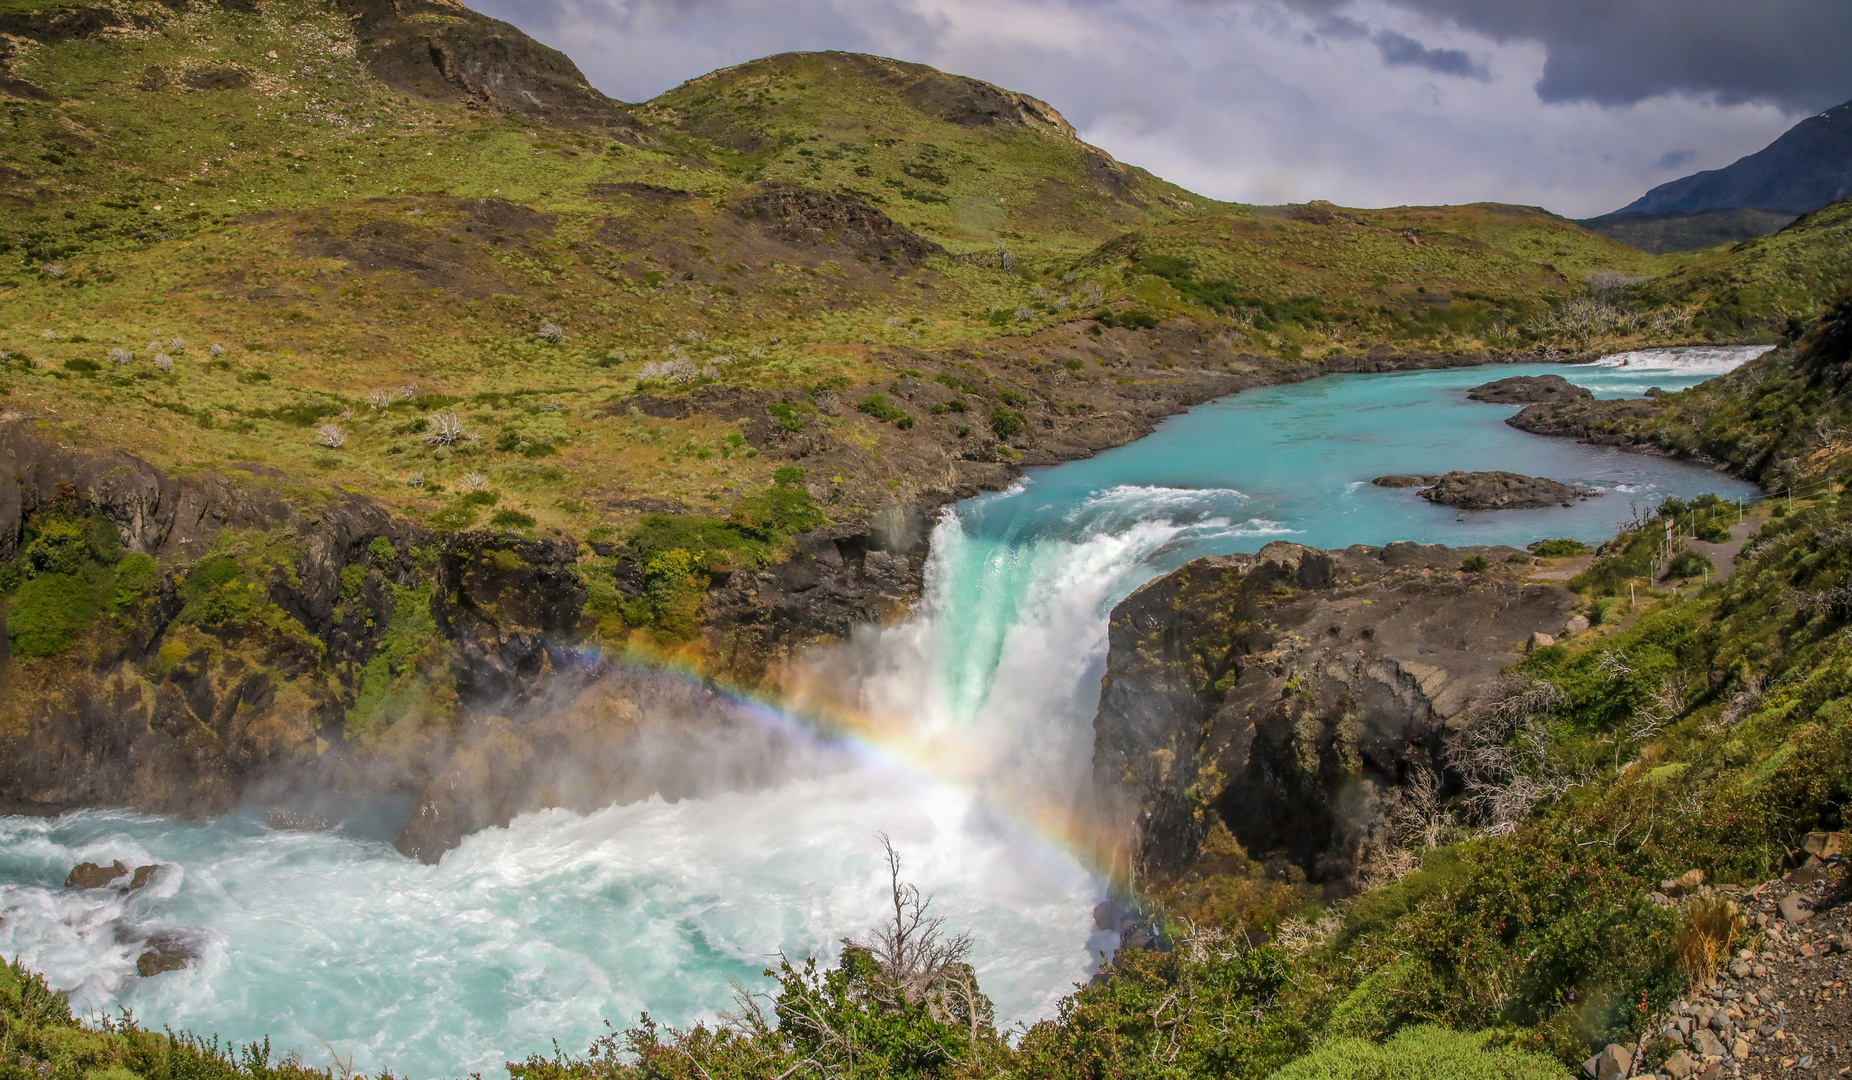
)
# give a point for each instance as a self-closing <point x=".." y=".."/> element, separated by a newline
<point x="1501" y="491"/>
<point x="1529" y="389"/>
<point x="1286" y="693"/>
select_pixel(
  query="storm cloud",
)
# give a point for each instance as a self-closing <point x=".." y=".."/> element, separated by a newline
<point x="1576" y="105"/>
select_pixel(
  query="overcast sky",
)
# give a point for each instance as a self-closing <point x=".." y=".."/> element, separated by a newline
<point x="1576" y="105"/>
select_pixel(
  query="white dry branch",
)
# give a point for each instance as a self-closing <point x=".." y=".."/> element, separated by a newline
<point x="163" y="361"/>
<point x="444" y="428"/>
<point x="330" y="435"/>
<point x="1503" y="757"/>
<point x="473" y="481"/>
<point x="119" y="357"/>
<point x="552" y="333"/>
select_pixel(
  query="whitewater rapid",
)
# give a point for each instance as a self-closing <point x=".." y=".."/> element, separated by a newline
<point x="974" y="756"/>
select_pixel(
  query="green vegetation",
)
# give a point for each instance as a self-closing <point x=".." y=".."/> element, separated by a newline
<point x="1475" y="564"/>
<point x="1557" y="549"/>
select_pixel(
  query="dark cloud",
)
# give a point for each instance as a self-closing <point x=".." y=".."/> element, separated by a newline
<point x="1796" y="54"/>
<point x="1400" y="50"/>
<point x="1675" y="159"/>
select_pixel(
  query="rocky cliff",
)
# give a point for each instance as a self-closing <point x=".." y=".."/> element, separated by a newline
<point x="1287" y="695"/>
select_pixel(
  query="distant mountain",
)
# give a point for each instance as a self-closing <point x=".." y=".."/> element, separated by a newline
<point x="1800" y="172"/>
<point x="1808" y="167"/>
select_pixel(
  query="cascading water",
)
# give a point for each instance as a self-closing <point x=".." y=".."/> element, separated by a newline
<point x="975" y="761"/>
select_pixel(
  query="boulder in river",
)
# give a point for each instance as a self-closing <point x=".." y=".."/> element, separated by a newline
<point x="1501" y="491"/>
<point x="1404" y="481"/>
<point x="91" y="876"/>
<point x="168" y="950"/>
<point x="1528" y="390"/>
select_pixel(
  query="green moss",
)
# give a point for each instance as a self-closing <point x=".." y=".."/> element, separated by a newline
<point x="1557" y="549"/>
<point x="512" y="519"/>
<point x="385" y="680"/>
<point x="1426" y="1051"/>
<point x="48" y="613"/>
<point x="137" y="577"/>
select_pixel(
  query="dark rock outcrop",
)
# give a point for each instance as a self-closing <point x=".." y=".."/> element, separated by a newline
<point x="1405" y="481"/>
<point x="1624" y="423"/>
<point x="1289" y="693"/>
<point x="1528" y="389"/>
<point x="446" y="52"/>
<point x="807" y="217"/>
<point x="1502" y="491"/>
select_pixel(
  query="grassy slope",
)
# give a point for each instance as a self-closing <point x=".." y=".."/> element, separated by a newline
<point x="315" y="224"/>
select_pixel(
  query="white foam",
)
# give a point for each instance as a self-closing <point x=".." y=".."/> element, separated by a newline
<point x="1685" y="360"/>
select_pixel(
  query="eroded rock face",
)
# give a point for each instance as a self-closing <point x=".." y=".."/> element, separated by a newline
<point x="1502" y="491"/>
<point x="1286" y="693"/>
<point x="1529" y="389"/>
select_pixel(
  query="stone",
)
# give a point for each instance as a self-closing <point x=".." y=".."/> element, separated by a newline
<point x="1680" y="1065"/>
<point x="1741" y="1050"/>
<point x="1823" y="845"/>
<point x="287" y="820"/>
<point x="91" y="876"/>
<point x="1399" y="481"/>
<point x="1706" y="1043"/>
<point x="1576" y="624"/>
<point x="1795" y="909"/>
<point x="1741" y="969"/>
<point x="1615" y="1062"/>
<point x="1538" y="640"/>
<point x="1715" y="1072"/>
<point x="1690" y="880"/>
<point x="167" y="951"/>
<point x="144" y="875"/>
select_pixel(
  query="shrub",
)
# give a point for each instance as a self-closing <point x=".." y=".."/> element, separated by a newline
<point x="784" y="418"/>
<point x="877" y="406"/>
<point x="788" y="474"/>
<point x="1557" y="549"/>
<point x="1475" y="564"/>
<point x="137" y="575"/>
<point x="512" y="519"/>
<point x="552" y="333"/>
<point x="1007" y="422"/>
<point x="675" y="585"/>
<point x="1426" y="1051"/>
<point x="48" y="612"/>
<point x="1688" y="564"/>
<point x="78" y="365"/>
<point x="1713" y="531"/>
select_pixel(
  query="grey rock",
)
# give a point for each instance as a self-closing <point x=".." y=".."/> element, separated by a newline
<point x="1680" y="1065"/>
<point x="1539" y="640"/>
<point x="1795" y="908"/>
<point x="1615" y="1062"/>
<point x="1528" y="390"/>
<point x="1501" y="491"/>
<point x="144" y="876"/>
<point x="1706" y="1043"/>
<point x="1405" y="481"/>
<point x="1576" y="624"/>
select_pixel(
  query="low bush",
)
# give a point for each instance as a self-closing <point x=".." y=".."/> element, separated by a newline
<point x="1475" y="564"/>
<point x="878" y="406"/>
<point x="1007" y="422"/>
<point x="512" y="519"/>
<point x="1558" y="549"/>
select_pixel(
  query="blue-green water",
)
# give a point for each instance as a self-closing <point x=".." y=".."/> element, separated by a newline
<point x="333" y="943"/>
